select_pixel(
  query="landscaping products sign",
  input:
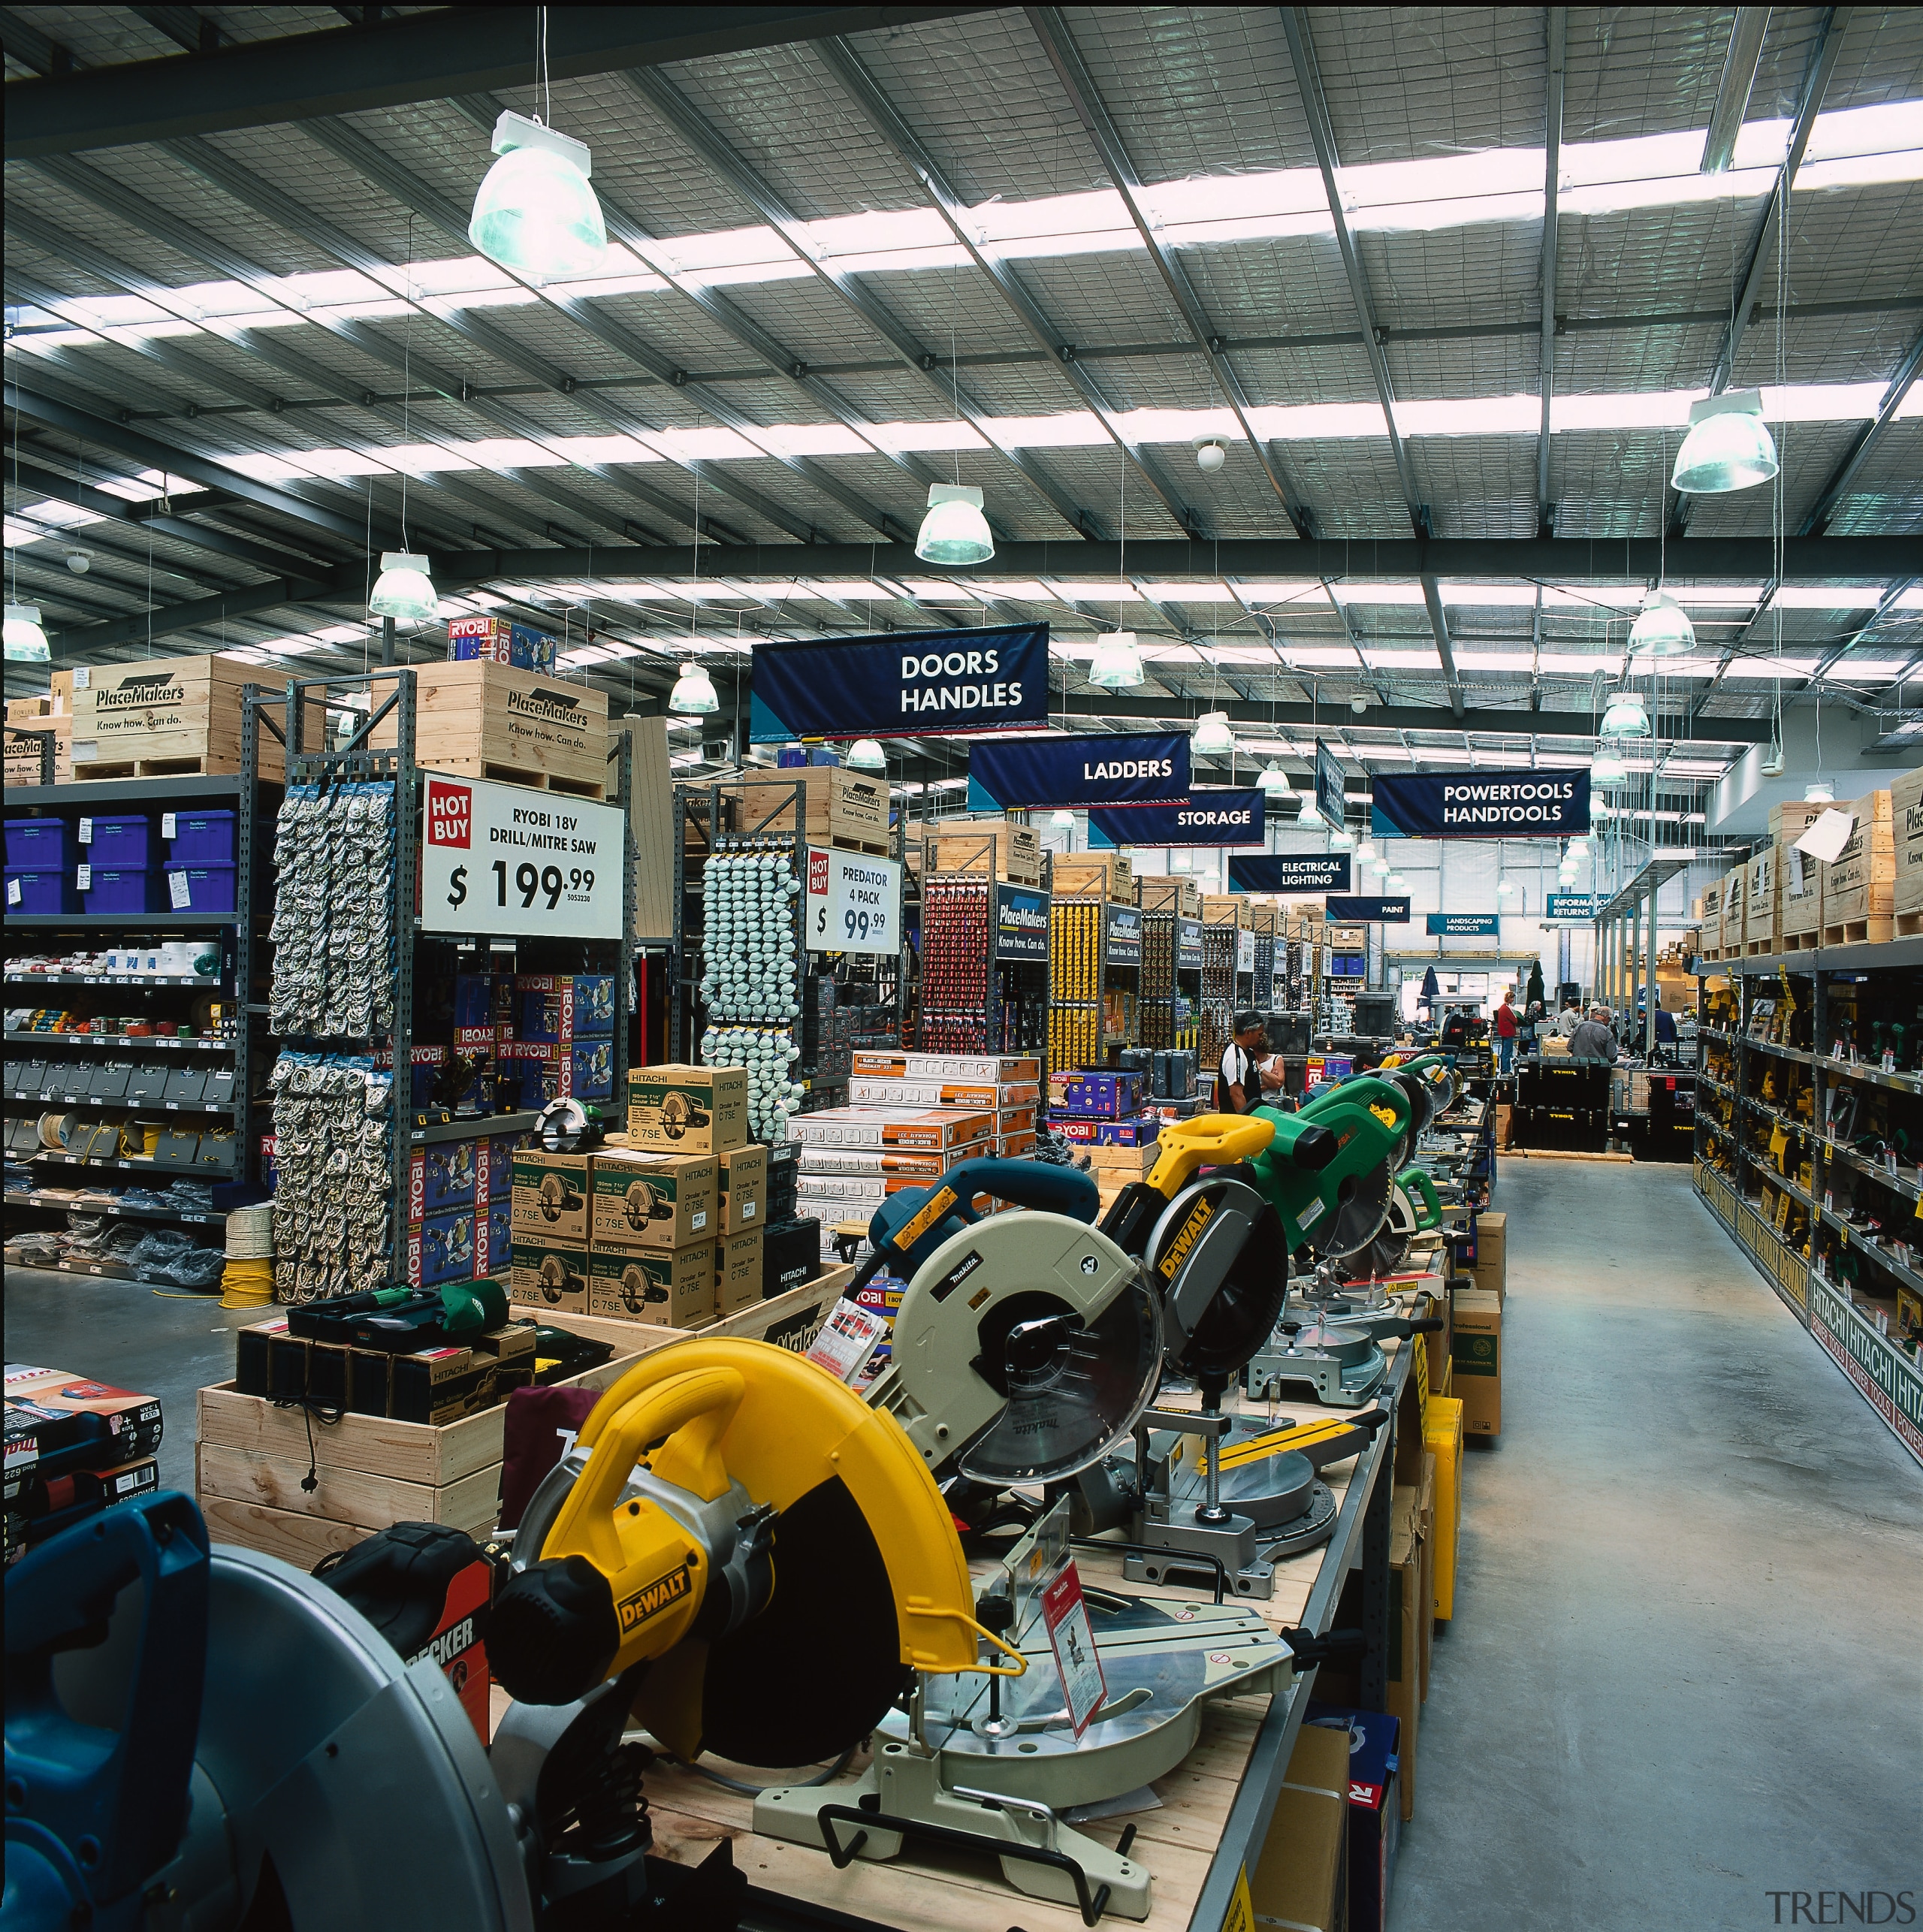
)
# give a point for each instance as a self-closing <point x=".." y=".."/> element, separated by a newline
<point x="904" y="685"/>
<point x="1464" y="925"/>
<point x="1085" y="769"/>
<point x="1306" y="874"/>
<point x="502" y="860"/>
<point x="1219" y="817"/>
<point x="1329" y="799"/>
<point x="1480" y="805"/>
<point x="1366" y="912"/>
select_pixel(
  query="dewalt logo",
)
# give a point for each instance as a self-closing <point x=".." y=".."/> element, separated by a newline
<point x="662" y="1594"/>
<point x="1191" y="1229"/>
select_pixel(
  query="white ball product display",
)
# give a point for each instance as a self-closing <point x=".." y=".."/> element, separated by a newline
<point x="751" y="979"/>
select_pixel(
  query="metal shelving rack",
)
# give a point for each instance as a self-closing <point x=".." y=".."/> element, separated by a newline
<point x="1889" y="1379"/>
<point x="1008" y="971"/>
<point x="238" y="937"/>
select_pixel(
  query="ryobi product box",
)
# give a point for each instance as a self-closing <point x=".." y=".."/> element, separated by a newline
<point x="550" y="1199"/>
<point x="439" y="1177"/>
<point x="744" y="1189"/>
<point x="738" y="1275"/>
<point x="441" y="1249"/>
<point x="583" y="1069"/>
<point x="1475" y="1357"/>
<point x="688" y="1110"/>
<point x="562" y="1008"/>
<point x="549" y="1275"/>
<point x="669" y="1289"/>
<point x="1135" y="1132"/>
<point x="640" y="1199"/>
<point x="1097" y="1096"/>
<point x="498" y="641"/>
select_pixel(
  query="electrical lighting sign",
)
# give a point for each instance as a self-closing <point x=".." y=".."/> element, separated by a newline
<point x="1206" y="817"/>
<point x="907" y="684"/>
<point x="1290" y="874"/>
<point x="1082" y="768"/>
<point x="1480" y="805"/>
<point x="504" y="861"/>
<point x="1021" y="923"/>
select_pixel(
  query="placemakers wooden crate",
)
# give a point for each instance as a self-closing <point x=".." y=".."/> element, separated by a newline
<point x="844" y="809"/>
<point x="1907" y="848"/>
<point x="1095" y="875"/>
<point x="251" y="1458"/>
<point x="650" y="822"/>
<point x="26" y="731"/>
<point x="481" y="719"/>
<point x="1732" y="892"/>
<point x="1859" y="890"/>
<point x="1182" y="897"/>
<point x="169" y="717"/>
<point x="1761" y="902"/>
<point x="1226" y="908"/>
<point x="1010" y="852"/>
<point x="1265" y="920"/>
<point x="1799" y="891"/>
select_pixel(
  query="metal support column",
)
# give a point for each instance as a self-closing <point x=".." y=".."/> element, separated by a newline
<point x="622" y="760"/>
<point x="1377" y="1635"/>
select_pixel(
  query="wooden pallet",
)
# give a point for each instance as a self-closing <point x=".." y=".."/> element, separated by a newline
<point x="1803" y="941"/>
<point x="1908" y="925"/>
<point x="594" y="789"/>
<point x="872" y="848"/>
<point x="212" y="765"/>
<point x="1875" y="930"/>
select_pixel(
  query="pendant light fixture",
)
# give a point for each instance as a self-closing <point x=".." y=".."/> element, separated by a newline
<point x="1625" y="717"/>
<point x="954" y="531"/>
<point x="1661" y="629"/>
<point x="404" y="590"/>
<point x="1274" y="784"/>
<point x="1607" y="769"/>
<point x="1117" y="665"/>
<point x="865" y="754"/>
<point x="1397" y="882"/>
<point x="1822" y="792"/>
<point x="1366" y="852"/>
<point x="1062" y="820"/>
<point x="694" y="694"/>
<point x="1341" y="837"/>
<point x="1380" y="867"/>
<point x="536" y="213"/>
<point x="1579" y="847"/>
<point x="1311" y="814"/>
<point x="25" y="641"/>
<point x="1728" y="447"/>
<point x="1213" y="738"/>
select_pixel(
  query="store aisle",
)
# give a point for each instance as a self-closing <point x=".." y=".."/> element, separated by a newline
<point x="1683" y="1671"/>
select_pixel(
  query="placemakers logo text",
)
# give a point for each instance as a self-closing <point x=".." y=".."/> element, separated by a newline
<point x="1510" y="804"/>
<point x="166" y="689"/>
<point x="563" y="707"/>
<point x="946" y="681"/>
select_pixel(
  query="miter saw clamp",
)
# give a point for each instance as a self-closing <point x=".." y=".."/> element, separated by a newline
<point x="1336" y="1357"/>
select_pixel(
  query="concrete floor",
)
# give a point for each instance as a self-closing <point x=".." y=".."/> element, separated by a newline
<point x="1684" y="1671"/>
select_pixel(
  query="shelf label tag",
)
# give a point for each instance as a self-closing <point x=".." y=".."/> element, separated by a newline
<point x="1065" y="1616"/>
<point x="86" y="833"/>
<point x="83" y="876"/>
<point x="167" y="825"/>
<point x="13" y="892"/>
<point x="179" y="892"/>
<point x="846" y="1340"/>
<point x="82" y="676"/>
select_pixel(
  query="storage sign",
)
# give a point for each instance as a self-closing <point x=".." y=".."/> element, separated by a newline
<point x="854" y="903"/>
<point x="1021" y="922"/>
<point x="905" y="684"/>
<point x="506" y="861"/>
<point x="1301" y="874"/>
<point x="1082" y="769"/>
<point x="1219" y="817"/>
<point x="1480" y="805"/>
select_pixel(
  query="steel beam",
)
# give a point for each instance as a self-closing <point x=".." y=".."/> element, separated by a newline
<point x="426" y="56"/>
<point x="1818" y="520"/>
<point x="1557" y="27"/>
<point x="1732" y="93"/>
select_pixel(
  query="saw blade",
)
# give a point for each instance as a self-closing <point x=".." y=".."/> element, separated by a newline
<point x="1074" y="1389"/>
<point x="1219" y="1237"/>
<point x="1359" y="1218"/>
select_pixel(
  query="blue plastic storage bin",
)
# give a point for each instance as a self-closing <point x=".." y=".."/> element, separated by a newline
<point x="209" y="888"/>
<point x="39" y="845"/>
<point x="124" y="889"/>
<point x="31" y="889"/>
<point x="121" y="844"/>
<point x="202" y="838"/>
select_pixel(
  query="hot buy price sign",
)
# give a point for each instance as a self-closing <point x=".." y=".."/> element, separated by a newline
<point x="503" y="859"/>
<point x="854" y="903"/>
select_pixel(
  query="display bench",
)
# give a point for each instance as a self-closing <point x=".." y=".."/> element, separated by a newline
<point x="1201" y="1845"/>
<point x="1807" y="1155"/>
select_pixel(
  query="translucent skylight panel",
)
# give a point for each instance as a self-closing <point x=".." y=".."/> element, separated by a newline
<point x="902" y="437"/>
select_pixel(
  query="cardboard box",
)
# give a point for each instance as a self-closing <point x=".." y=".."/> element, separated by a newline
<point x="1475" y="1359"/>
<point x="1491" y="1254"/>
<point x="991" y="1069"/>
<point x="872" y="1090"/>
<point x="744" y="1181"/>
<point x="1426" y="1521"/>
<point x="563" y="1007"/>
<point x="1906" y="842"/>
<point x="738" y="1272"/>
<point x="685" y="1110"/>
<point x="667" y="1289"/>
<point x="929" y="1128"/>
<point x="551" y="1196"/>
<point x="57" y="1421"/>
<point x="1375" y="1812"/>
<point x="1301" y="1879"/>
<point x="638" y="1200"/>
<point x="1442" y="1437"/>
<point x="549" y="1274"/>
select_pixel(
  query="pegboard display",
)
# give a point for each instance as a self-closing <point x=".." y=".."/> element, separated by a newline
<point x="1156" y="1007"/>
<point x="750" y="980"/>
<point x="1217" y="1007"/>
<point x="1075" y="929"/>
<point x="957" y="973"/>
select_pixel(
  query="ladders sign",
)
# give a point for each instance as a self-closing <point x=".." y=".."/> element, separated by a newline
<point x="1065" y="1614"/>
<point x="507" y="860"/>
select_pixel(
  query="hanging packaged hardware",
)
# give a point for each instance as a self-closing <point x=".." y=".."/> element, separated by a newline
<point x="751" y="956"/>
<point x="334" y="928"/>
<point x="334" y="1150"/>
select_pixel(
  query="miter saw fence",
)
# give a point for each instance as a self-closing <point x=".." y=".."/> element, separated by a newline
<point x="1337" y="1356"/>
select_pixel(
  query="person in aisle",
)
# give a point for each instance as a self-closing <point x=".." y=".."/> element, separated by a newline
<point x="1507" y="1027"/>
<point x="1595" y="1038"/>
<point x="1247" y="1079"/>
<point x="1456" y="1029"/>
<point x="1567" y="1020"/>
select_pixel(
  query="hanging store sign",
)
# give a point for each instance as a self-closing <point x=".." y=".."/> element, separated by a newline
<point x="1188" y="945"/>
<point x="503" y="861"/>
<point x="1328" y="785"/>
<point x="1351" y="911"/>
<point x="1205" y="817"/>
<point x="853" y="903"/>
<point x="1575" y="905"/>
<point x="1125" y="936"/>
<point x="1297" y="874"/>
<point x="1021" y="923"/>
<point x="904" y="685"/>
<point x="1080" y="769"/>
<point x="1464" y="925"/>
<point x="1480" y="805"/>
